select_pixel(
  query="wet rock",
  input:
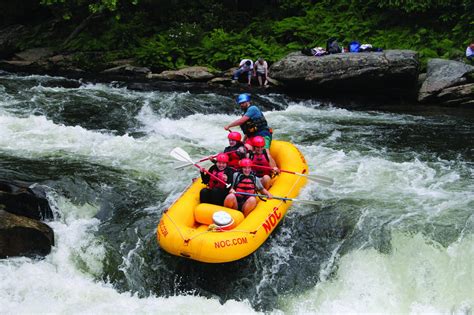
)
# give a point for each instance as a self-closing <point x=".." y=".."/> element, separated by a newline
<point x="22" y="236"/>
<point x="128" y="70"/>
<point x="21" y="199"/>
<point x="447" y="82"/>
<point x="382" y="72"/>
<point x="186" y="74"/>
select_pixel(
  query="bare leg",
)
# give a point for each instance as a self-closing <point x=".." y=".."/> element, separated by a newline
<point x="231" y="202"/>
<point x="266" y="181"/>
<point x="249" y="205"/>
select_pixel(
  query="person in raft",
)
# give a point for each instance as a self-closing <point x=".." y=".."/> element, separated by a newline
<point x="245" y="181"/>
<point x="261" y="157"/>
<point x="236" y="149"/>
<point x="252" y="122"/>
<point x="216" y="191"/>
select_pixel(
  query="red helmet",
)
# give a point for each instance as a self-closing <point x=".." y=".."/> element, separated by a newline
<point x="258" y="141"/>
<point x="245" y="162"/>
<point x="234" y="135"/>
<point x="222" y="157"/>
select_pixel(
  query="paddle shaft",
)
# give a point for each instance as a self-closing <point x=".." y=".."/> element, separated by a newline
<point x="182" y="155"/>
<point x="321" y="179"/>
<point x="312" y="202"/>
<point x="202" y="160"/>
<point x="212" y="175"/>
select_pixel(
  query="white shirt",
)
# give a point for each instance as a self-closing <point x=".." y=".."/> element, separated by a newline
<point x="261" y="68"/>
<point x="469" y="52"/>
<point x="244" y="66"/>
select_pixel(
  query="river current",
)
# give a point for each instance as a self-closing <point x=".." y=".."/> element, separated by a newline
<point x="394" y="234"/>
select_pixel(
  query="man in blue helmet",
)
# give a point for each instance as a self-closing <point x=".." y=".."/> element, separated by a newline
<point x="252" y="122"/>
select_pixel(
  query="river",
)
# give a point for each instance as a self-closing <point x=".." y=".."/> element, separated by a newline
<point x="394" y="234"/>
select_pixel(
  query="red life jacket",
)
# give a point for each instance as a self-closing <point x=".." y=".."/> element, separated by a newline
<point x="261" y="159"/>
<point x="245" y="184"/>
<point x="234" y="157"/>
<point x="214" y="183"/>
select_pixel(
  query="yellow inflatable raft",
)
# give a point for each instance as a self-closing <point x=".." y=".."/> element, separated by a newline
<point x="187" y="229"/>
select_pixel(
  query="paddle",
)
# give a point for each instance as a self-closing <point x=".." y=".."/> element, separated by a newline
<point x="309" y="202"/>
<point x="182" y="155"/>
<point x="317" y="178"/>
<point x="201" y="160"/>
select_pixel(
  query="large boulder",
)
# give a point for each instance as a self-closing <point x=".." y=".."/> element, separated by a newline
<point x="22" y="199"/>
<point x="448" y="82"/>
<point x="9" y="39"/>
<point x="22" y="236"/>
<point x="382" y="72"/>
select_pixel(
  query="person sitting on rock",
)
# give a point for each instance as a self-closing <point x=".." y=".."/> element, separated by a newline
<point x="216" y="191"/>
<point x="261" y="71"/>
<point x="470" y="52"/>
<point x="245" y="67"/>
<point x="247" y="183"/>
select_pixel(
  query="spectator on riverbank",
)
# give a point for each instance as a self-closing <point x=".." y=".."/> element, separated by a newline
<point x="245" y="67"/>
<point x="470" y="52"/>
<point x="261" y="71"/>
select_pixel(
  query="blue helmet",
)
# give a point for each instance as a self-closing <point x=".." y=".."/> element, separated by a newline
<point x="243" y="98"/>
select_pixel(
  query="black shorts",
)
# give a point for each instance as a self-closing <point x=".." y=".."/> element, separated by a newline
<point x="241" y="201"/>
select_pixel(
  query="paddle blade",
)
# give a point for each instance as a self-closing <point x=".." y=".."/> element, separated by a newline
<point x="321" y="179"/>
<point x="308" y="202"/>
<point x="178" y="167"/>
<point x="181" y="155"/>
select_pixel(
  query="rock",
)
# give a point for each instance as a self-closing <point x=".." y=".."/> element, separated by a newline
<point x="9" y="38"/>
<point x="20" y="199"/>
<point x="221" y="81"/>
<point x="128" y="70"/>
<point x="391" y="70"/>
<point x="186" y="74"/>
<point x="447" y="82"/>
<point x="457" y="95"/>
<point x="34" y="54"/>
<point x="22" y="236"/>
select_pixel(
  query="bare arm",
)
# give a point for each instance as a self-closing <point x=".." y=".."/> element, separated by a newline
<point x="272" y="162"/>
<point x="267" y="193"/>
<point x="237" y="122"/>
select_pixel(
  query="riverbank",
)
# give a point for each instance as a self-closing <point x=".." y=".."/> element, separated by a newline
<point x="393" y="74"/>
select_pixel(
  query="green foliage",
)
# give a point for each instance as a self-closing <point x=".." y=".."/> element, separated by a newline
<point x="221" y="49"/>
<point x="111" y="34"/>
<point x="161" y="52"/>
<point x="169" y="34"/>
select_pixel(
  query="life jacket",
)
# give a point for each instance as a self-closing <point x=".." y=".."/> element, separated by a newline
<point x="214" y="183"/>
<point x="252" y="126"/>
<point x="235" y="157"/>
<point x="263" y="160"/>
<point x="245" y="184"/>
